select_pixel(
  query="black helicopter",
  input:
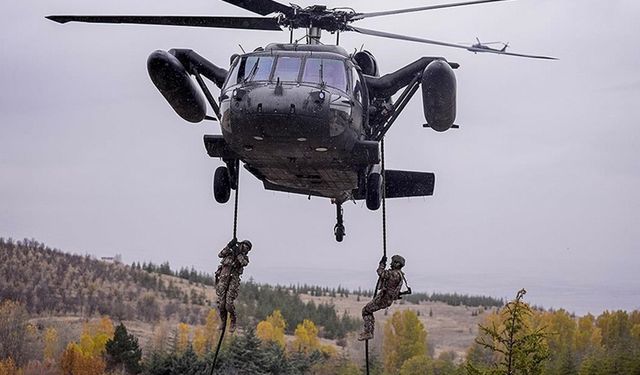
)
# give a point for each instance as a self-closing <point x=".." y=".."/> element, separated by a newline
<point x="304" y="118"/>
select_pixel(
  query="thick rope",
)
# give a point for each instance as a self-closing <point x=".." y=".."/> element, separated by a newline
<point x="384" y="206"/>
<point x="384" y="242"/>
<point x="235" y="208"/>
<point x="215" y="357"/>
<point x="235" y="236"/>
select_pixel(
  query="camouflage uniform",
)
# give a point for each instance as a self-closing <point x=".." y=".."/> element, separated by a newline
<point x="234" y="259"/>
<point x="390" y="283"/>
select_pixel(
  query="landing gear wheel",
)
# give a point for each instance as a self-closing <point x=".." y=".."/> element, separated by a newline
<point x="374" y="191"/>
<point x="338" y="230"/>
<point x="221" y="185"/>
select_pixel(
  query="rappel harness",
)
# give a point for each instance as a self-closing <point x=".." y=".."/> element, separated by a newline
<point x="384" y="246"/>
<point x="235" y="237"/>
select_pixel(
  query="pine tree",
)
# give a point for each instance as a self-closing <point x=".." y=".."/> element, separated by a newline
<point x="245" y="355"/>
<point x="123" y="350"/>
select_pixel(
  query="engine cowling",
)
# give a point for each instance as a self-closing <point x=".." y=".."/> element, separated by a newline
<point x="367" y="63"/>
<point x="439" y="95"/>
<point x="174" y="83"/>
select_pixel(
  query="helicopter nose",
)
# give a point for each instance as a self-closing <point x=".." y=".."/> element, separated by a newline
<point x="281" y="111"/>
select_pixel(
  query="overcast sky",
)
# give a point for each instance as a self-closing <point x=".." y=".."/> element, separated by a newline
<point x="539" y="188"/>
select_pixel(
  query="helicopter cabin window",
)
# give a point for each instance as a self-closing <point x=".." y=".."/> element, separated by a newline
<point x="331" y="72"/>
<point x="287" y="69"/>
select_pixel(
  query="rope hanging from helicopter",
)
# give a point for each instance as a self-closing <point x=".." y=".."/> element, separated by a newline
<point x="384" y="241"/>
<point x="235" y="236"/>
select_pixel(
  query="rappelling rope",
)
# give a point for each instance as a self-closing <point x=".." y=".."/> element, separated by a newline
<point x="384" y="240"/>
<point x="235" y="233"/>
<point x="235" y="207"/>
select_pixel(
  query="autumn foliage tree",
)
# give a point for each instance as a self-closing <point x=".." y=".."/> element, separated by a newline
<point x="517" y="347"/>
<point x="306" y="337"/>
<point x="75" y="361"/>
<point x="404" y="338"/>
<point x="272" y="329"/>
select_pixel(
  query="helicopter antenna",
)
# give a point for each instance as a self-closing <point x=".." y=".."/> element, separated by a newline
<point x="240" y="45"/>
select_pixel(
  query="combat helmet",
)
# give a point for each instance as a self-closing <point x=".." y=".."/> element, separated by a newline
<point x="247" y="243"/>
<point x="398" y="259"/>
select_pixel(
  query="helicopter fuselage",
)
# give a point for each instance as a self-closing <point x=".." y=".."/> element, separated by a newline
<point x="294" y="118"/>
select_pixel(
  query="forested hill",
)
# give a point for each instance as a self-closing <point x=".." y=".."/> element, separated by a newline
<point x="50" y="282"/>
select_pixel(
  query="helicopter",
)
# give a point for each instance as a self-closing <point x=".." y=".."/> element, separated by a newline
<point x="304" y="118"/>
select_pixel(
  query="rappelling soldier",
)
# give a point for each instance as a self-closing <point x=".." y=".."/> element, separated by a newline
<point x="235" y="256"/>
<point x="389" y="285"/>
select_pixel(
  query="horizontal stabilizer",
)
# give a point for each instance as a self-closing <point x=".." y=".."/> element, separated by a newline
<point x="400" y="184"/>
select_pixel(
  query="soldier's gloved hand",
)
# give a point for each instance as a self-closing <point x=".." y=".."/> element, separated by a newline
<point x="232" y="243"/>
<point x="408" y="290"/>
<point x="384" y="259"/>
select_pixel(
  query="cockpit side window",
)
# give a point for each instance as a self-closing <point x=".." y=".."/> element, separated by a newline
<point x="331" y="72"/>
<point x="287" y="69"/>
<point x="250" y="68"/>
<point x="334" y="74"/>
<point x="257" y="68"/>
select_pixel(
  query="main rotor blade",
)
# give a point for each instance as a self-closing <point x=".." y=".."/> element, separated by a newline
<point x="257" y="23"/>
<point x="360" y="16"/>
<point x="428" y="41"/>
<point x="498" y="52"/>
<point x="262" y="7"/>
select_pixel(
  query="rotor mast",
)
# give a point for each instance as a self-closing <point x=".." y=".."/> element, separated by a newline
<point x="313" y="35"/>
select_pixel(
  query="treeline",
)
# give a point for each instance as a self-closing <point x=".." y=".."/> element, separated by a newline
<point x="455" y="299"/>
<point x="103" y="348"/>
<point x="588" y="345"/>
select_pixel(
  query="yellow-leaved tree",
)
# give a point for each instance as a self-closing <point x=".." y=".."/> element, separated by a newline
<point x="272" y="328"/>
<point x="404" y="337"/>
<point x="199" y="341"/>
<point x="8" y="367"/>
<point x="211" y="326"/>
<point x="50" y="339"/>
<point x="182" y="337"/>
<point x="418" y="365"/>
<point x="95" y="335"/>
<point x="306" y="334"/>
<point x="75" y="361"/>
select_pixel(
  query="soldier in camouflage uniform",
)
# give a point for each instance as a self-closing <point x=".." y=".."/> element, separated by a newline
<point x="389" y="284"/>
<point x="227" y="278"/>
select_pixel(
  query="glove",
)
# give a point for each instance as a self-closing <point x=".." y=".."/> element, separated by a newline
<point x="232" y="243"/>
<point x="408" y="290"/>
<point x="384" y="259"/>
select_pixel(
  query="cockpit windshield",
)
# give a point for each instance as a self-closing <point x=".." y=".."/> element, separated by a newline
<point x="287" y="69"/>
<point x="327" y="71"/>
<point x="331" y="72"/>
